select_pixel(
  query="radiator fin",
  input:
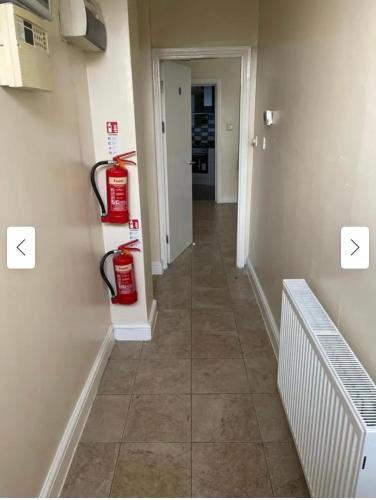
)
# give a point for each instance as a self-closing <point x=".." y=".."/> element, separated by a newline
<point x="353" y="376"/>
<point x="329" y="399"/>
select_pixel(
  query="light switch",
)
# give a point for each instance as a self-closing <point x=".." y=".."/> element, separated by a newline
<point x="229" y="126"/>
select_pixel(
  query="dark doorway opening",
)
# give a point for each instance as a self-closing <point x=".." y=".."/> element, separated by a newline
<point x="203" y="142"/>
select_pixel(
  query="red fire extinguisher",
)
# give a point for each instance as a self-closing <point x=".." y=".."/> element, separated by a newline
<point x="124" y="274"/>
<point x="117" y="189"/>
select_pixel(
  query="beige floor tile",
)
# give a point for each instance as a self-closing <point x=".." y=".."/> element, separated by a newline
<point x="153" y="470"/>
<point x="285" y="471"/>
<point x="159" y="418"/>
<point x="224" y="418"/>
<point x="180" y="268"/>
<point x="205" y="345"/>
<point x="229" y="252"/>
<point x="170" y="281"/>
<point x="213" y="321"/>
<point x="242" y="292"/>
<point x="174" y="320"/>
<point x="168" y="345"/>
<point x="118" y="377"/>
<point x="247" y="316"/>
<point x="166" y="376"/>
<point x="229" y="470"/>
<point x="202" y="224"/>
<point x="174" y="296"/>
<point x="204" y="298"/>
<point x="234" y="275"/>
<point x="262" y="373"/>
<point x="229" y="263"/>
<point x="126" y="350"/>
<point x="206" y="254"/>
<point x="106" y="420"/>
<point x="209" y="276"/>
<point x="204" y="235"/>
<point x="92" y="470"/>
<point x="219" y="376"/>
<point x="271" y="418"/>
<point x="255" y="343"/>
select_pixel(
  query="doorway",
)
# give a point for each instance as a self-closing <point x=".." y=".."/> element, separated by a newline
<point x="203" y="142"/>
<point x="173" y="192"/>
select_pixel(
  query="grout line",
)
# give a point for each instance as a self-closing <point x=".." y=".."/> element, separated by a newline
<point x="268" y="469"/>
<point x="125" y="422"/>
<point x="248" y="381"/>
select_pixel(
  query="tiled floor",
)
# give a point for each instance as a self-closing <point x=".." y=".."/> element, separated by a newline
<point x="195" y="411"/>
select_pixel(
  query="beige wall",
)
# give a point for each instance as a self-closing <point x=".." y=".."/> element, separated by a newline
<point x="171" y="23"/>
<point x="54" y="318"/>
<point x="227" y="70"/>
<point x="317" y="66"/>
<point x="192" y="23"/>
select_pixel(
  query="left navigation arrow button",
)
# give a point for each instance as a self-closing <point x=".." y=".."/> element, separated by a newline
<point x="21" y="247"/>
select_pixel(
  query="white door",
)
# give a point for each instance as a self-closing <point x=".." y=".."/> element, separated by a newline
<point x="176" y="77"/>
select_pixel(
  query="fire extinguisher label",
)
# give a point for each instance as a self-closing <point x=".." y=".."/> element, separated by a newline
<point x="124" y="269"/>
<point x="117" y="181"/>
<point x="125" y="279"/>
<point x="119" y="201"/>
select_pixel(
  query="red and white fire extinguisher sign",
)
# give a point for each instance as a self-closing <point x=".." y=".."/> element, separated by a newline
<point x="116" y="187"/>
<point x="125" y="280"/>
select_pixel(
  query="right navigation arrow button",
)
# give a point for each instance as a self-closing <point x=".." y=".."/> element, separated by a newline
<point x="355" y="248"/>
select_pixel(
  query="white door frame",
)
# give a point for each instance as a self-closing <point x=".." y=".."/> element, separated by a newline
<point x="244" y="53"/>
<point x="217" y="83"/>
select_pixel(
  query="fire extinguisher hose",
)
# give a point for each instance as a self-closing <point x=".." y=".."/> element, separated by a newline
<point x="94" y="184"/>
<point x="103" y="274"/>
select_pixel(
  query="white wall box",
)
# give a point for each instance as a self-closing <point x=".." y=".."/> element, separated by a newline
<point x="82" y="24"/>
<point x="24" y="52"/>
<point x="42" y="8"/>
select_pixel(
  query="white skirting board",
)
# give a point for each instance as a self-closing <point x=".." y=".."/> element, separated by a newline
<point x="225" y="199"/>
<point x="65" y="452"/>
<point x="156" y="268"/>
<point x="270" y="323"/>
<point x="138" y="332"/>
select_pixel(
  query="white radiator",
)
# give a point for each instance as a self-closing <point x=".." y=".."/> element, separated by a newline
<point x="329" y="399"/>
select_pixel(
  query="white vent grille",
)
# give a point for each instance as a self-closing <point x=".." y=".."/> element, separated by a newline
<point x="355" y="379"/>
<point x="329" y="399"/>
<point x="311" y="309"/>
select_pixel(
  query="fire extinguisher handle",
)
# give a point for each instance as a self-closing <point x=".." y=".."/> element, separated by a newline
<point x="102" y="271"/>
<point x="94" y="183"/>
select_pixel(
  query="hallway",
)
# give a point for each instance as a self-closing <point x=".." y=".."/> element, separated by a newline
<point x="195" y="411"/>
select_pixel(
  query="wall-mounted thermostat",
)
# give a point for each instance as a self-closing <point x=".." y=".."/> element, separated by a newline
<point x="24" y="52"/>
